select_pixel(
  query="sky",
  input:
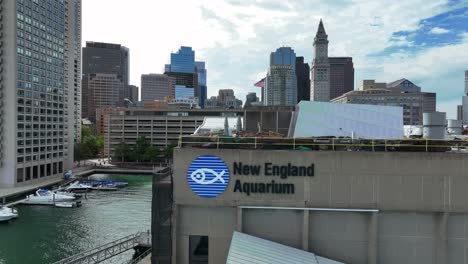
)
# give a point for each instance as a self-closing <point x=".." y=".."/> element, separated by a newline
<point x="425" y="41"/>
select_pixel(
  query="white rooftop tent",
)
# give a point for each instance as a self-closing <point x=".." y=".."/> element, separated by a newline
<point x="246" y="249"/>
<point x="323" y="119"/>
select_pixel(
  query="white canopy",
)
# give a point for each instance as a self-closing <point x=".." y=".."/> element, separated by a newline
<point x="246" y="249"/>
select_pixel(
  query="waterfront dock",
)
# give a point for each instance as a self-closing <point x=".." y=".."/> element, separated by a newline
<point x="5" y="193"/>
<point x="8" y="193"/>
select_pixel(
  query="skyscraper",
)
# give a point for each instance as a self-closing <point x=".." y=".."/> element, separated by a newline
<point x="156" y="87"/>
<point x="281" y="80"/>
<point x="303" y="80"/>
<point x="320" y="73"/>
<point x="39" y="93"/>
<point x="250" y="98"/>
<point x="74" y="60"/>
<point x="182" y="68"/>
<point x="331" y="76"/>
<point x="341" y="76"/>
<point x="133" y="93"/>
<point x="202" y="89"/>
<point x="465" y="101"/>
<point x="104" y="58"/>
<point x="103" y="91"/>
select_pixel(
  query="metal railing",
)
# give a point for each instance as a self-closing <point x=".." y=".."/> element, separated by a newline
<point x="101" y="253"/>
<point x="333" y="144"/>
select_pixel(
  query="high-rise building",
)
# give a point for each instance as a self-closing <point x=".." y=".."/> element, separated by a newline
<point x="281" y="80"/>
<point x="303" y="80"/>
<point x="182" y="92"/>
<point x="156" y="87"/>
<point x="402" y="93"/>
<point x="182" y="68"/>
<point x="104" y="58"/>
<point x="225" y="99"/>
<point x="466" y="82"/>
<point x="465" y="101"/>
<point x="320" y="72"/>
<point x="133" y="93"/>
<point x="74" y="60"/>
<point x="330" y="76"/>
<point x="103" y="92"/>
<point x="459" y="112"/>
<point x="225" y="94"/>
<point x="250" y="98"/>
<point x="202" y="88"/>
<point x="341" y="76"/>
<point x="39" y="54"/>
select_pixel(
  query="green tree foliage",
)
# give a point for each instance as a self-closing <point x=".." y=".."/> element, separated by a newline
<point x="151" y="154"/>
<point x="122" y="152"/>
<point x="90" y="146"/>
<point x="169" y="151"/>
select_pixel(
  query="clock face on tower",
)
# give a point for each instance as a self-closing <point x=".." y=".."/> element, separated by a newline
<point x="321" y="51"/>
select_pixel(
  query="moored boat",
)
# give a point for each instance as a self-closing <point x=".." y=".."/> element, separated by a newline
<point x="46" y="197"/>
<point x="6" y="213"/>
<point x="12" y="211"/>
<point x="78" y="187"/>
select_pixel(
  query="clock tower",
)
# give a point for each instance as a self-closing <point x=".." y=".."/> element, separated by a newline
<point x="320" y="72"/>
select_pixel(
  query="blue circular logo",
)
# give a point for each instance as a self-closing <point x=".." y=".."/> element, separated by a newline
<point x="208" y="176"/>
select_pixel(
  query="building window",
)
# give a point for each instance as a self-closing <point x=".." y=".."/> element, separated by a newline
<point x="198" y="246"/>
<point x="42" y="171"/>
<point x="28" y="173"/>
<point x="19" y="175"/>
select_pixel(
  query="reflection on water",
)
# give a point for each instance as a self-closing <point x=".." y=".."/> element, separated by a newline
<point x="44" y="234"/>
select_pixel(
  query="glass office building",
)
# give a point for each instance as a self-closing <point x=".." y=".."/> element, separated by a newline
<point x="183" y="60"/>
<point x="202" y="88"/>
<point x="182" y="92"/>
<point x="281" y="81"/>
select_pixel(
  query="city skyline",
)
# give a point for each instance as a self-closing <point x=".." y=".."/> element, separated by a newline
<point x="424" y="42"/>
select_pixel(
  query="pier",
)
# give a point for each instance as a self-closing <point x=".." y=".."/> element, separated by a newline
<point x="112" y="249"/>
<point x="9" y="193"/>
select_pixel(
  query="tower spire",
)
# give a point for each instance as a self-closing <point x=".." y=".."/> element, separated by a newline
<point x="321" y="28"/>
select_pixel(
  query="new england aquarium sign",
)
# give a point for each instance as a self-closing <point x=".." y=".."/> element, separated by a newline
<point x="208" y="176"/>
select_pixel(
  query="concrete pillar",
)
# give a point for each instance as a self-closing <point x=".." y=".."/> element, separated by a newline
<point x="441" y="226"/>
<point x="373" y="237"/>
<point x="175" y="215"/>
<point x="239" y="220"/>
<point x="305" y="230"/>
<point x="3" y="200"/>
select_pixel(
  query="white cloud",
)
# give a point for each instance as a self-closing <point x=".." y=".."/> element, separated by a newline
<point x="235" y="37"/>
<point x="438" y="30"/>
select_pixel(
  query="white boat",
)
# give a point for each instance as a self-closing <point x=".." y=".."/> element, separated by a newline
<point x="68" y="204"/>
<point x="69" y="175"/>
<point x="5" y="216"/>
<point x="78" y="187"/>
<point x="9" y="210"/>
<point x="46" y="197"/>
<point x="104" y="187"/>
<point x="66" y="193"/>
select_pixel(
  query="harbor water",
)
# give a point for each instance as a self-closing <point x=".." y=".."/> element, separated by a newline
<point x="45" y="234"/>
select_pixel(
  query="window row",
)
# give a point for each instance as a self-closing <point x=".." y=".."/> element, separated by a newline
<point x="38" y="171"/>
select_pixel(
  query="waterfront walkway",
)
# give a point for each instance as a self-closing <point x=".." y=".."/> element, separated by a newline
<point x="13" y="191"/>
<point x="79" y="172"/>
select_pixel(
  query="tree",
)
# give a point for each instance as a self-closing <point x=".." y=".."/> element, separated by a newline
<point x="86" y="131"/>
<point x="121" y="152"/>
<point x="139" y="149"/>
<point x="169" y="151"/>
<point x="150" y="154"/>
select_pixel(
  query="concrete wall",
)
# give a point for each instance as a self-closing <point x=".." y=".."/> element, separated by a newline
<point x="420" y="201"/>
